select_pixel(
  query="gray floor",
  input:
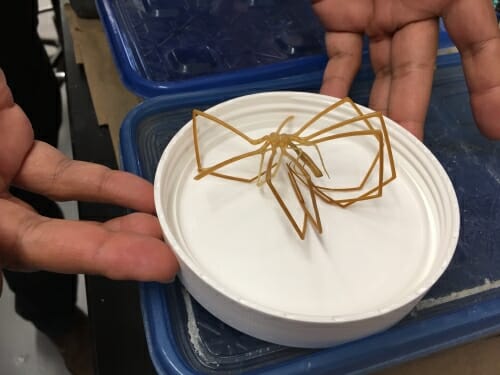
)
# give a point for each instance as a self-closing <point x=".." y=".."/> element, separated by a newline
<point x="22" y="349"/>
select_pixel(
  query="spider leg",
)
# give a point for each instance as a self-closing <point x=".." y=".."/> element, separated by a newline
<point x="385" y="149"/>
<point x="316" y="117"/>
<point x="282" y="125"/>
<point x="215" y="168"/>
<point x="372" y="193"/>
<point x="301" y="231"/>
<point x="381" y="162"/>
<point x="297" y="172"/>
<point x="306" y="198"/>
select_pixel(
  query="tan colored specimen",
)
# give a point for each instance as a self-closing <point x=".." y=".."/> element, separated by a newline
<point x="300" y="165"/>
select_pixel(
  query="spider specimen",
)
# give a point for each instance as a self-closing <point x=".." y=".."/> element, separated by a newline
<point x="299" y="155"/>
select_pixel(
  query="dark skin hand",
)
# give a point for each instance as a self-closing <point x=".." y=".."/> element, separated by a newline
<point x="403" y="43"/>
<point x="128" y="247"/>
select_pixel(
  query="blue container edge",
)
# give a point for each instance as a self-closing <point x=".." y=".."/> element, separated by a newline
<point x="148" y="89"/>
<point x="464" y="325"/>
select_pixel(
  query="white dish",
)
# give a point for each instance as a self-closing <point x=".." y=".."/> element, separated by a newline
<point x="241" y="259"/>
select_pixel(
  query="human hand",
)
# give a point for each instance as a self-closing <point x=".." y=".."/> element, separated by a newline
<point x="128" y="247"/>
<point x="403" y="38"/>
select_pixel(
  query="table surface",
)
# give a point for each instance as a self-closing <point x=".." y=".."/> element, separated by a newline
<point x="114" y="306"/>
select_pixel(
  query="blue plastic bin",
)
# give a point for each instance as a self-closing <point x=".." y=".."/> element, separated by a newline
<point x="170" y="46"/>
<point x="192" y="53"/>
<point x="464" y="305"/>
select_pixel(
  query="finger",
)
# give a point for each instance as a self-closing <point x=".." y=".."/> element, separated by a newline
<point x="6" y="99"/>
<point x="18" y="201"/>
<point x="16" y="140"/>
<point x="413" y="55"/>
<point x="380" y="56"/>
<point x="473" y="27"/>
<point x="29" y="241"/>
<point x="343" y="16"/>
<point x="344" y="23"/>
<point x="138" y="222"/>
<point x="344" y="52"/>
<point x="48" y="172"/>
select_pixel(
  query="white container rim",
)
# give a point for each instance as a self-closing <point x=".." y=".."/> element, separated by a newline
<point x="399" y="137"/>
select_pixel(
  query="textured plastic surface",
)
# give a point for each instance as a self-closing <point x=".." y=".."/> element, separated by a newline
<point x="463" y="305"/>
<point x="172" y="46"/>
<point x="163" y="46"/>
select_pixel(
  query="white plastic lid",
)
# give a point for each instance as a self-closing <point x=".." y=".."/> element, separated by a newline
<point x="372" y="257"/>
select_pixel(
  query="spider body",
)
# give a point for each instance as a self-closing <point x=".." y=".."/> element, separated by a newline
<point x="300" y="167"/>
